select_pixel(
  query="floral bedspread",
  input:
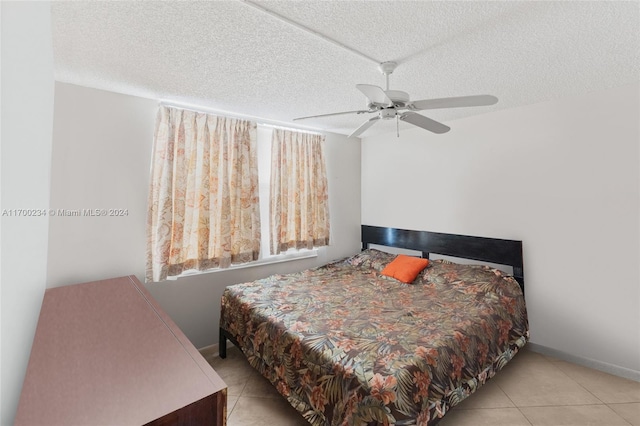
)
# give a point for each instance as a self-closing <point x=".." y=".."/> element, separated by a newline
<point x="348" y="346"/>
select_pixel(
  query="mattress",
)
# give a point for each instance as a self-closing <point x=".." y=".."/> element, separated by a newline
<point x="346" y="345"/>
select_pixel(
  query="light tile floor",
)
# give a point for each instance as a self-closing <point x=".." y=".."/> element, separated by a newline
<point x="532" y="390"/>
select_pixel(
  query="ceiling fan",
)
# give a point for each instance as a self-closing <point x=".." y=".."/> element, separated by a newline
<point x="390" y="104"/>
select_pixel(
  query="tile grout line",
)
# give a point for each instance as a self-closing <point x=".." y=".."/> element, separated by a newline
<point x="564" y="405"/>
<point x="579" y="384"/>
<point x="582" y="386"/>
<point x="618" y="414"/>
<point x="229" y="413"/>
<point x="511" y="400"/>
<point x="515" y="405"/>
<point x="561" y="405"/>
<point x="585" y="388"/>
<point x="525" y="416"/>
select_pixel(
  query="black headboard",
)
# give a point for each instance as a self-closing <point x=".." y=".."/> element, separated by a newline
<point x="492" y="250"/>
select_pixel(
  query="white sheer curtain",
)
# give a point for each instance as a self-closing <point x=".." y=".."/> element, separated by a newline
<point x="203" y="198"/>
<point x="299" y="192"/>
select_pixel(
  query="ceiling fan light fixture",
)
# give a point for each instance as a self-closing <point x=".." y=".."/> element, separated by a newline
<point x="388" y="114"/>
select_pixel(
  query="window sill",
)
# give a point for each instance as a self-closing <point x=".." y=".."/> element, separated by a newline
<point x="280" y="258"/>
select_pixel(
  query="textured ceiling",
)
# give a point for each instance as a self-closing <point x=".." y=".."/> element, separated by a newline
<point x="231" y="56"/>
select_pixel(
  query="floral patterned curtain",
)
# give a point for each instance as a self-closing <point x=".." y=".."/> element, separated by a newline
<point x="299" y="191"/>
<point x="203" y="200"/>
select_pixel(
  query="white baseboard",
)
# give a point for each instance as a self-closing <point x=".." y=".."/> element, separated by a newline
<point x="209" y="351"/>
<point x="616" y="370"/>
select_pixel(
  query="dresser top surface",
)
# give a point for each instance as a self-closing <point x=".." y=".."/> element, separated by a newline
<point x="105" y="353"/>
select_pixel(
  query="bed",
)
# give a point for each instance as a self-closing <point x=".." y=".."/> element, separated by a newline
<point x="347" y="345"/>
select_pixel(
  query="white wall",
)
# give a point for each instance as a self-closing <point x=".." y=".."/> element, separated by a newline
<point x="101" y="155"/>
<point x="561" y="176"/>
<point x="27" y="116"/>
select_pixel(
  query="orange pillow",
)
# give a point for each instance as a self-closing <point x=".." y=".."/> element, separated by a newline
<point x="405" y="268"/>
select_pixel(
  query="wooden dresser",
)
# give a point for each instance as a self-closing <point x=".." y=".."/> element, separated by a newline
<point x="105" y="353"/>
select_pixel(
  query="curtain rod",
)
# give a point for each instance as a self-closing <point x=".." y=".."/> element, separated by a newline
<point x="260" y="121"/>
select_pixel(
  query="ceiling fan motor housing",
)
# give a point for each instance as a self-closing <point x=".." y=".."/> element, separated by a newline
<point x="399" y="98"/>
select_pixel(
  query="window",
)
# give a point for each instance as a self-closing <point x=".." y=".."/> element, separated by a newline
<point x="299" y="195"/>
<point x="204" y="209"/>
<point x="203" y="199"/>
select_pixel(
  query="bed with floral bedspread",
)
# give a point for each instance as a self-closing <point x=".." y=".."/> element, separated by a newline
<point x="346" y="345"/>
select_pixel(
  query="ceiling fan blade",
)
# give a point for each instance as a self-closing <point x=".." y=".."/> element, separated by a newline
<point x="363" y="111"/>
<point x="462" y="101"/>
<point x="375" y="94"/>
<point x="370" y="122"/>
<point x="424" y="122"/>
